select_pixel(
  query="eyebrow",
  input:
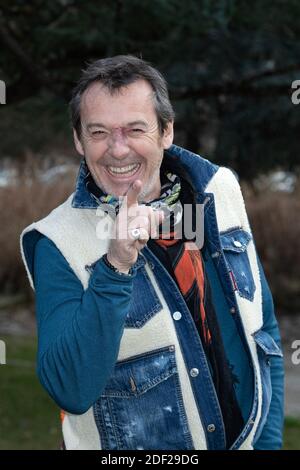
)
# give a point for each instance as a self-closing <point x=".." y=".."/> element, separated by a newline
<point x="129" y="124"/>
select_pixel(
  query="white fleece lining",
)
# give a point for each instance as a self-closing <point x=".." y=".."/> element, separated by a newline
<point x="80" y="431"/>
<point x="231" y="213"/>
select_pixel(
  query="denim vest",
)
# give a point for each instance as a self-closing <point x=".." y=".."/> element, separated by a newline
<point x="161" y="394"/>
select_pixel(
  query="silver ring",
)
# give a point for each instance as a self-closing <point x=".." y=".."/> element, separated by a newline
<point x="136" y="233"/>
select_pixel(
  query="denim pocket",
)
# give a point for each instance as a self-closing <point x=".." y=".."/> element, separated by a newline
<point x="266" y="349"/>
<point x="234" y="243"/>
<point x="142" y="406"/>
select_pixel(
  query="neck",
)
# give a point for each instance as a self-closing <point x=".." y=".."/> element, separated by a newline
<point x="155" y="185"/>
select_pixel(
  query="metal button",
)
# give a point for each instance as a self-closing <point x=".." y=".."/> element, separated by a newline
<point x="194" y="372"/>
<point x="216" y="254"/>
<point x="211" y="428"/>
<point x="237" y="243"/>
<point x="177" y="315"/>
<point x="268" y="361"/>
<point x="151" y="265"/>
<point x="232" y="310"/>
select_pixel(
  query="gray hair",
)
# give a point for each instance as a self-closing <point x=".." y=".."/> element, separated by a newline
<point x="117" y="72"/>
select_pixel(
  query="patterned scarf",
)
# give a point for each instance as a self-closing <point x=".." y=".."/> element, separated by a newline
<point x="168" y="200"/>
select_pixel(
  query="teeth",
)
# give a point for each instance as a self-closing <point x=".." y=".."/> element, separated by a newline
<point x="124" y="169"/>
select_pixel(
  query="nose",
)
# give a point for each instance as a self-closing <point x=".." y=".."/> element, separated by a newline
<point x="118" y="144"/>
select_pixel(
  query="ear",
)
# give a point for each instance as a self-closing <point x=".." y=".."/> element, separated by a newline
<point x="77" y="143"/>
<point x="168" y="135"/>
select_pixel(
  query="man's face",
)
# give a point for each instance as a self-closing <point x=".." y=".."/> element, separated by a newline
<point x="120" y="138"/>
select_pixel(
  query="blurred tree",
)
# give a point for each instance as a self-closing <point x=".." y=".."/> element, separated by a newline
<point x="229" y="64"/>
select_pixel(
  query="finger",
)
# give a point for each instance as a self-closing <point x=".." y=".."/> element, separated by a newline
<point x="144" y="236"/>
<point x="133" y="193"/>
<point x="140" y="221"/>
<point x="138" y="231"/>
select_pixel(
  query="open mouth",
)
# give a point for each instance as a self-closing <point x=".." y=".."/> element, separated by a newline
<point x="124" y="171"/>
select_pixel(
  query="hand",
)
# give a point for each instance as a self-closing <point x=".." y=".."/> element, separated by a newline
<point x="123" y="250"/>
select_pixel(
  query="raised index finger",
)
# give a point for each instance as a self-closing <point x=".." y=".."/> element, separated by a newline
<point x="133" y="193"/>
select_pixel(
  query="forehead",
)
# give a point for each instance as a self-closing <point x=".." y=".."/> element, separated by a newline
<point x="132" y="102"/>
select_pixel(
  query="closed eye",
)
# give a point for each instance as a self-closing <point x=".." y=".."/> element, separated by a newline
<point x="99" y="134"/>
<point x="135" y="131"/>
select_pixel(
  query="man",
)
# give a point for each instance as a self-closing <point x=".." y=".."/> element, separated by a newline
<point x="148" y="339"/>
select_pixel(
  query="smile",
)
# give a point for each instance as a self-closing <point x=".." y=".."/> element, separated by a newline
<point x="124" y="170"/>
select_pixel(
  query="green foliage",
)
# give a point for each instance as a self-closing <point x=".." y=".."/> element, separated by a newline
<point x="229" y="64"/>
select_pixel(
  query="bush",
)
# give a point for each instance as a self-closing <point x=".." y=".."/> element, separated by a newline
<point x="274" y="217"/>
<point x="26" y="200"/>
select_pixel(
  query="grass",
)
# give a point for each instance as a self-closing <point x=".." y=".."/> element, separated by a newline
<point x="292" y="434"/>
<point x="29" y="418"/>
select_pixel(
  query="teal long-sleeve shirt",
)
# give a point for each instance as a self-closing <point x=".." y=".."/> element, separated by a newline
<point x="77" y="327"/>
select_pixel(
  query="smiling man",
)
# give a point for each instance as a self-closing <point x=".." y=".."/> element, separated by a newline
<point x="146" y="339"/>
<point x="121" y="139"/>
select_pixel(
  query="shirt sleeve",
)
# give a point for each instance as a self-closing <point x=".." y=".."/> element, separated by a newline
<point x="79" y="331"/>
<point x="271" y="436"/>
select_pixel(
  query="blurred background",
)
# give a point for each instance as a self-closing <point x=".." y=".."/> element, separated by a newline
<point x="230" y="66"/>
